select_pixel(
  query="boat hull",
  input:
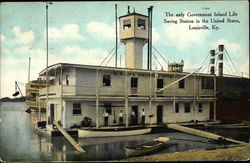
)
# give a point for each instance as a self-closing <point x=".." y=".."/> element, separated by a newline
<point x="134" y="152"/>
<point x="114" y="133"/>
<point x="146" y="148"/>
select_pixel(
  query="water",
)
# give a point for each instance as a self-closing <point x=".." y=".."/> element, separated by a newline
<point x="19" y="141"/>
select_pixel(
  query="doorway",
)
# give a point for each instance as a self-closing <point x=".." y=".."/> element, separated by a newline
<point x="135" y="109"/>
<point x="211" y="111"/>
<point x="159" y="114"/>
<point x="52" y="113"/>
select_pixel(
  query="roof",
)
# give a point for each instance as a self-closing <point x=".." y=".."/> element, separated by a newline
<point x="133" y="13"/>
<point x="69" y="65"/>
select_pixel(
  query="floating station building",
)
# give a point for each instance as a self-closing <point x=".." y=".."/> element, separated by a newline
<point x="171" y="96"/>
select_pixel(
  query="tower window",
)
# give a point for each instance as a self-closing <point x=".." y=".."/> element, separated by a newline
<point x="126" y="24"/>
<point x="106" y="80"/>
<point x="182" y="83"/>
<point x="141" y="24"/>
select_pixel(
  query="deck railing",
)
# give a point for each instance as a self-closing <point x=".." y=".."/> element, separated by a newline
<point x="85" y="90"/>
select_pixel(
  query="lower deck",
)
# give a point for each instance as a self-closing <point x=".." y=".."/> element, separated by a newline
<point x="80" y="113"/>
<point x="53" y="131"/>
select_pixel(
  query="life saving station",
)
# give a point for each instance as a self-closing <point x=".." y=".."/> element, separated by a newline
<point x="172" y="96"/>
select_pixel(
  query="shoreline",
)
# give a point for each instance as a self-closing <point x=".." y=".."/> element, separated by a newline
<point x="231" y="153"/>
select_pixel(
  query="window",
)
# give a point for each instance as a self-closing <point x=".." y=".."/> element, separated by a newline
<point x="106" y="80"/>
<point x="182" y="83"/>
<point x="187" y="108"/>
<point x="176" y="107"/>
<point x="141" y="24"/>
<point x="59" y="80"/>
<point x="77" y="108"/>
<point x="134" y="82"/>
<point x="107" y="107"/>
<point x="207" y="83"/>
<point x="126" y="24"/>
<point x="67" y="79"/>
<point x="200" y="108"/>
<point x="159" y="83"/>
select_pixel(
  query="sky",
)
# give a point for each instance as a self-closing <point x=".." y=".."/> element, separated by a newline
<point x="84" y="33"/>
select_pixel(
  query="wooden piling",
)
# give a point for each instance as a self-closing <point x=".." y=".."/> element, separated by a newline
<point x="202" y="133"/>
<point x="69" y="138"/>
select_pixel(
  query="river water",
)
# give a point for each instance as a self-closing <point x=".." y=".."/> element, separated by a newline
<point x="19" y="140"/>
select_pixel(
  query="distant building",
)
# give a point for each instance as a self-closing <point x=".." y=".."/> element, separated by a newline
<point x="233" y="99"/>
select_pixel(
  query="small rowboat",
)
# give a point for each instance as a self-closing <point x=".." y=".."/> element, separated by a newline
<point x="87" y="133"/>
<point x="146" y="148"/>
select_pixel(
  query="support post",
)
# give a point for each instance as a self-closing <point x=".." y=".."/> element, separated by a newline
<point x="29" y="71"/>
<point x="39" y="110"/>
<point x="61" y="94"/>
<point x="150" y="97"/>
<point x="126" y="99"/>
<point x="194" y="107"/>
<point x="126" y="111"/>
<point x="174" y="102"/>
<point x="97" y="99"/>
<point x="155" y="84"/>
<point x="47" y="54"/>
<point x="214" y="97"/>
<point x="116" y="42"/>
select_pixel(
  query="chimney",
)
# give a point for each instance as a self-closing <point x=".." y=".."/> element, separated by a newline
<point x="212" y="60"/>
<point x="220" y="60"/>
<point x="128" y="10"/>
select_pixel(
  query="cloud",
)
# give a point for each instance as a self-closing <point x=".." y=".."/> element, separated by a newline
<point x="231" y="47"/>
<point x="75" y="54"/>
<point x="181" y="36"/>
<point x="68" y="31"/>
<point x="2" y="38"/>
<point x="9" y="74"/>
<point x="23" y="37"/>
<point x="101" y="30"/>
<point x="27" y="51"/>
<point x="155" y="35"/>
<point x="238" y="55"/>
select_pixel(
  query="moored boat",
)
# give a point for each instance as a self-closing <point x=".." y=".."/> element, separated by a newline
<point x="146" y="148"/>
<point x="112" y="132"/>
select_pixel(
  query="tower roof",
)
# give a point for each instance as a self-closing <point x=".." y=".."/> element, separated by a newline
<point x="133" y="13"/>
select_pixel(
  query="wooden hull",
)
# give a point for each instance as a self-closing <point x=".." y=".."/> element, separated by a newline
<point x="114" y="133"/>
<point x="142" y="149"/>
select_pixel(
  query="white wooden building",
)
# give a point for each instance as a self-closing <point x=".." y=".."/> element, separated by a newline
<point x="79" y="91"/>
<point x="83" y="90"/>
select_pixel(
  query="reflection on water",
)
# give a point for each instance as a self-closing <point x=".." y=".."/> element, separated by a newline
<point x="19" y="141"/>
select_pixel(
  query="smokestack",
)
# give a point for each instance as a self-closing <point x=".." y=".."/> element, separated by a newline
<point x="212" y="61"/>
<point x="220" y="60"/>
<point x="128" y="10"/>
<point x="150" y="11"/>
